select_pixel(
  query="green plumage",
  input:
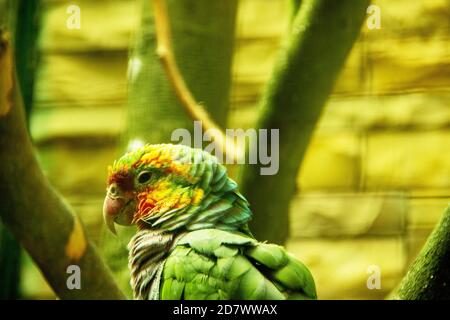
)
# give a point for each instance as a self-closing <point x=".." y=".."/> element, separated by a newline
<point x="216" y="264"/>
<point x="194" y="242"/>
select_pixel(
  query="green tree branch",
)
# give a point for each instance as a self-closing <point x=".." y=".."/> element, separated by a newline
<point x="315" y="50"/>
<point x="33" y="211"/>
<point x="294" y="7"/>
<point x="428" y="278"/>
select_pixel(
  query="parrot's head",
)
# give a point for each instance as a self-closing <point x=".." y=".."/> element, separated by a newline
<point x="161" y="186"/>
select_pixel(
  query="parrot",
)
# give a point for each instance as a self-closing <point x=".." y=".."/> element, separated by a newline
<point x="192" y="239"/>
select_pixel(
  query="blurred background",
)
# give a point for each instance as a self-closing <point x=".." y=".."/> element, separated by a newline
<point x="376" y="176"/>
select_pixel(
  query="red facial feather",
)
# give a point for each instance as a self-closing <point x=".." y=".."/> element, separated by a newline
<point x="145" y="205"/>
<point x="123" y="179"/>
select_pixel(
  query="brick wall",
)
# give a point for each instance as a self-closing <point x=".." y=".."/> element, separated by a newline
<point x="376" y="176"/>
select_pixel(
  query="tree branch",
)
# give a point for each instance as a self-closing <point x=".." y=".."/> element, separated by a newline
<point x="428" y="278"/>
<point x="293" y="7"/>
<point x="33" y="211"/>
<point x="320" y="38"/>
<point x="193" y="109"/>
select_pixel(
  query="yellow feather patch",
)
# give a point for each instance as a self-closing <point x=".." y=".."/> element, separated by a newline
<point x="198" y="196"/>
<point x="76" y="244"/>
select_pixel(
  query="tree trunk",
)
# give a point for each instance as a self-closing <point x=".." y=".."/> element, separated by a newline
<point x="25" y="40"/>
<point x="428" y="277"/>
<point x="27" y="54"/>
<point x="203" y="39"/>
<point x="30" y="208"/>
<point x="9" y="266"/>
<point x="316" y="48"/>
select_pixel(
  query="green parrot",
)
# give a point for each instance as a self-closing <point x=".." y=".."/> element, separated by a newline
<point x="193" y="241"/>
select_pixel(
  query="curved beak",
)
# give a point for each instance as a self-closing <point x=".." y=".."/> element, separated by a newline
<point x="109" y="221"/>
<point x="111" y="209"/>
<point x="117" y="209"/>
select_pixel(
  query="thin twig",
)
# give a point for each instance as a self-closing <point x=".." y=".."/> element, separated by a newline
<point x="195" y="111"/>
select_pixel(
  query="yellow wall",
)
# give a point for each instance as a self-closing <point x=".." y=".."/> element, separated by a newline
<point x="376" y="176"/>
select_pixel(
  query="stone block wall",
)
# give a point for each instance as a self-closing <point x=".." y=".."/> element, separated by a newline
<point x="376" y="176"/>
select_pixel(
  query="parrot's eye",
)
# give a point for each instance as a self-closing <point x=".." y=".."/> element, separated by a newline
<point x="113" y="189"/>
<point x="144" y="177"/>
